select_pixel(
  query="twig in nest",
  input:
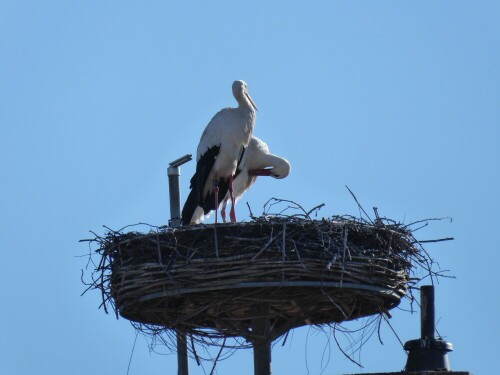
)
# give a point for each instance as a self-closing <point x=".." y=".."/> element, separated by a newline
<point x="218" y="355"/>
<point x="317" y="208"/>
<point x="216" y="242"/>
<point x="343" y="351"/>
<point x="359" y="205"/>
<point x="250" y="212"/>
<point x="193" y="349"/>
<point x="291" y="205"/>
<point x="427" y="220"/>
<point x="393" y="330"/>
<point x="438" y="240"/>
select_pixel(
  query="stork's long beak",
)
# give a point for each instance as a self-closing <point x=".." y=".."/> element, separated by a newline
<point x="260" y="172"/>
<point x="250" y="100"/>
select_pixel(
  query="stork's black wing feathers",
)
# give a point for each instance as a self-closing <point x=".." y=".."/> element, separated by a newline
<point x="203" y="168"/>
<point x="198" y="182"/>
<point x="209" y="201"/>
<point x="238" y="167"/>
<point x="189" y="208"/>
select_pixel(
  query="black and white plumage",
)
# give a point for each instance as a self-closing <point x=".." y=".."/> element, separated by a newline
<point x="219" y="151"/>
<point x="256" y="161"/>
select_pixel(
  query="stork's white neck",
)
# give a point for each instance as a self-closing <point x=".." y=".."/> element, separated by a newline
<point x="243" y="102"/>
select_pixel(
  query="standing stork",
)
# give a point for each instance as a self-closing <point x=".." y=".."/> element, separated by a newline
<point x="256" y="161"/>
<point x="219" y="151"/>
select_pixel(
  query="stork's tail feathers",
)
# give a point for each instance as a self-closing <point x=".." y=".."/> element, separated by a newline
<point x="190" y="207"/>
<point x="194" y="211"/>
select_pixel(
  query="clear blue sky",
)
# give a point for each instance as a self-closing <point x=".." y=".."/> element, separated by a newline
<point x="397" y="100"/>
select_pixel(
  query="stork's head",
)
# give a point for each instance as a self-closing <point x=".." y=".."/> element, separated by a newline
<point x="240" y="92"/>
<point x="281" y="169"/>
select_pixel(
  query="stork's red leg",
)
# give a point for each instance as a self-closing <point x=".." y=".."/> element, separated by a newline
<point x="216" y="193"/>
<point x="223" y="213"/>
<point x="232" y="213"/>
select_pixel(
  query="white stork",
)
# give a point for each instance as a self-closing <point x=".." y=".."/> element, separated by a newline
<point x="219" y="151"/>
<point x="256" y="161"/>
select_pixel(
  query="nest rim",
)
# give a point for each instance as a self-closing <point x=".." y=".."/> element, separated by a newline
<point x="387" y="292"/>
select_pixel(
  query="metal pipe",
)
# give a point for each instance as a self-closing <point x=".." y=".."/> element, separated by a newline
<point x="174" y="190"/>
<point x="427" y="312"/>
<point x="175" y="221"/>
<point x="175" y="198"/>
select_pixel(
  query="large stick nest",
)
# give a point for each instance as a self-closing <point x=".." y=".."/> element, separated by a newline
<point x="211" y="281"/>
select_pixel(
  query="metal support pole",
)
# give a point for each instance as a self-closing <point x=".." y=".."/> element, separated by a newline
<point x="261" y="328"/>
<point x="175" y="221"/>
<point x="182" y="355"/>
<point x="262" y="358"/>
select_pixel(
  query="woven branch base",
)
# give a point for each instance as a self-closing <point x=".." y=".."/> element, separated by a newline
<point x="212" y="280"/>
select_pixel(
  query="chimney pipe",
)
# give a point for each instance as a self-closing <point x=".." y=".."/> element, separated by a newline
<point x="427" y="353"/>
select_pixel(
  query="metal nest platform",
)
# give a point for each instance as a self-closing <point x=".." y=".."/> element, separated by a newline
<point x="215" y="281"/>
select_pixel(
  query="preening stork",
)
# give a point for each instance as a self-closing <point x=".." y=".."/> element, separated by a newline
<point x="219" y="151"/>
<point x="256" y="161"/>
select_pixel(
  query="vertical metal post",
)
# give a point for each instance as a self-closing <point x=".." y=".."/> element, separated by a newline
<point x="427" y="312"/>
<point x="174" y="191"/>
<point x="175" y="221"/>
<point x="262" y="358"/>
<point x="175" y="197"/>
<point x="261" y="328"/>
<point x="182" y="356"/>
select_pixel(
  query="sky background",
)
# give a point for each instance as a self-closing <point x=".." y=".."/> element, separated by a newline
<point x="397" y="100"/>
